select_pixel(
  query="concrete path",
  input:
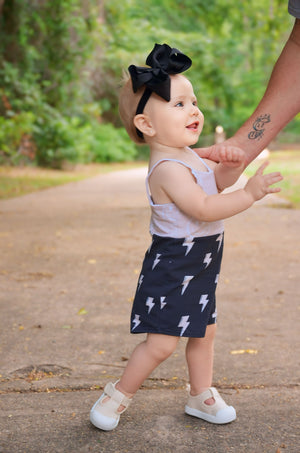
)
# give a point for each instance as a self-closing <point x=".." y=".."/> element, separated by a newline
<point x="69" y="262"/>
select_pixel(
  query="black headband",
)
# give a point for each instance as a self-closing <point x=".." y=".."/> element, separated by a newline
<point x="163" y="60"/>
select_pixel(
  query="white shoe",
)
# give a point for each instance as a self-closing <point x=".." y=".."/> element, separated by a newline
<point x="218" y="413"/>
<point x="106" y="416"/>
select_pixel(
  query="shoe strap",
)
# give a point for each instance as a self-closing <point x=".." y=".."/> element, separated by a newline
<point x="214" y="393"/>
<point x="118" y="397"/>
<point x="211" y="392"/>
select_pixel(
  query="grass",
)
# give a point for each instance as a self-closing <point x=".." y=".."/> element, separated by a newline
<point x="18" y="181"/>
<point x="288" y="163"/>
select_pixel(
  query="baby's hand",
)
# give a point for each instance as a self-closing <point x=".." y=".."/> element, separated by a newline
<point x="231" y="156"/>
<point x="259" y="185"/>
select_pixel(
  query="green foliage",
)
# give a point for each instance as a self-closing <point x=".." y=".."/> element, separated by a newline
<point x="109" y="144"/>
<point x="61" y="63"/>
<point x="55" y="141"/>
<point x="12" y="129"/>
<point x="233" y="46"/>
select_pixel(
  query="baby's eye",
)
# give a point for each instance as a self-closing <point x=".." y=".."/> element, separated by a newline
<point x="179" y="104"/>
<point x="195" y="103"/>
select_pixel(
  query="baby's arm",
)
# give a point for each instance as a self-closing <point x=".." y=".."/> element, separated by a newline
<point x="231" y="166"/>
<point x="192" y="200"/>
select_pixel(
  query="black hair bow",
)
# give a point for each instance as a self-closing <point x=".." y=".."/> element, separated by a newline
<point x="163" y="60"/>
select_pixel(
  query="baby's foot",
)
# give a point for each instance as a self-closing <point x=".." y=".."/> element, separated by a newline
<point x="210" y="407"/>
<point x="105" y="414"/>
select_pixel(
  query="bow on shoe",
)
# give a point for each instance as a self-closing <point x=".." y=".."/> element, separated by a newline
<point x="163" y="60"/>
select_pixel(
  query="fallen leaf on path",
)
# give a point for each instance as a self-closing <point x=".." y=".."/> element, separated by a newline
<point x="4" y="234"/>
<point x="39" y="275"/>
<point x="82" y="311"/>
<point x="244" y="351"/>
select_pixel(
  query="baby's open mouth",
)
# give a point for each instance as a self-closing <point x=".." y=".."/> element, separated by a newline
<point x="193" y="126"/>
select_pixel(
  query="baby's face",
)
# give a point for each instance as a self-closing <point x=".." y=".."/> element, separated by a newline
<point x="179" y="122"/>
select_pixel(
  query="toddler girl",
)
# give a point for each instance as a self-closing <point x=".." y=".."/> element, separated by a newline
<point x="175" y="295"/>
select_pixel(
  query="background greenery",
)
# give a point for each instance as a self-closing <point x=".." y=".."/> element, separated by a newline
<point x="61" y="64"/>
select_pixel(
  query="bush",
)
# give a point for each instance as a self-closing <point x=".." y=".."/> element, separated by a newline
<point x="110" y="144"/>
<point x="55" y="140"/>
<point x="12" y="130"/>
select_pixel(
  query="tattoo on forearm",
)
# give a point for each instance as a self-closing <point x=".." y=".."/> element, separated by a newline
<point x="258" y="126"/>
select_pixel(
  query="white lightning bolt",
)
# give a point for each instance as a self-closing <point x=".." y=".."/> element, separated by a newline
<point x="185" y="282"/>
<point x="140" y="281"/>
<point x="188" y="244"/>
<point x="150" y="304"/>
<point x="217" y="278"/>
<point x="156" y="261"/>
<point x="162" y="302"/>
<point x="219" y="239"/>
<point x="207" y="259"/>
<point x="136" y="321"/>
<point x="203" y="301"/>
<point x="214" y="315"/>
<point x="184" y="323"/>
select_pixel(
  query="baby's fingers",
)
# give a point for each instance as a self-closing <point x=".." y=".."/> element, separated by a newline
<point x="260" y="169"/>
<point x="273" y="178"/>
<point x="274" y="189"/>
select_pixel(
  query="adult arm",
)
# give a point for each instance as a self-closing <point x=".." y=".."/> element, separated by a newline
<point x="279" y="105"/>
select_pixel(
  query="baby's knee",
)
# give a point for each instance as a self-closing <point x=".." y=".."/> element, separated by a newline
<point x="163" y="347"/>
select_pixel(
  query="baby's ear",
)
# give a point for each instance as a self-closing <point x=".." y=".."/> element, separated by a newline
<point x="142" y="123"/>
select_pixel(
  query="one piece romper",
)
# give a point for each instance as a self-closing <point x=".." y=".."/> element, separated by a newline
<point x="175" y="292"/>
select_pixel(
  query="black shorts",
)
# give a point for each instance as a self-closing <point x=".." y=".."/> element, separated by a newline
<point x="175" y="293"/>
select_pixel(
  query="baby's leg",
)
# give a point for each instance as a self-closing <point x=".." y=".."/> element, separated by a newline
<point x="105" y="413"/>
<point x="199" y="355"/>
<point x="144" y="359"/>
<point x="204" y="400"/>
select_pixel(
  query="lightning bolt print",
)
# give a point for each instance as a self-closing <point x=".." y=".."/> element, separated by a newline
<point x="207" y="259"/>
<point x="150" y="304"/>
<point x="184" y="323"/>
<point x="185" y="282"/>
<point x="217" y="278"/>
<point x="136" y="321"/>
<point x="219" y="239"/>
<point x="214" y="315"/>
<point x="162" y="302"/>
<point x="203" y="301"/>
<point x="189" y="245"/>
<point x="140" y="281"/>
<point x="156" y="261"/>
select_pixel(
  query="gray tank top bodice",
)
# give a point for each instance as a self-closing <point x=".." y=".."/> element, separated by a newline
<point x="169" y="221"/>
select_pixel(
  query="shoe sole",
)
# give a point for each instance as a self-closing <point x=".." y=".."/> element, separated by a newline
<point x="103" y="427"/>
<point x="227" y="417"/>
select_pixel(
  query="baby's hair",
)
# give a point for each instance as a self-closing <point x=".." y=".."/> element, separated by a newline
<point x="128" y="102"/>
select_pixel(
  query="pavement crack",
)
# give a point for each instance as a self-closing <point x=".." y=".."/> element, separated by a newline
<point x="150" y="384"/>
